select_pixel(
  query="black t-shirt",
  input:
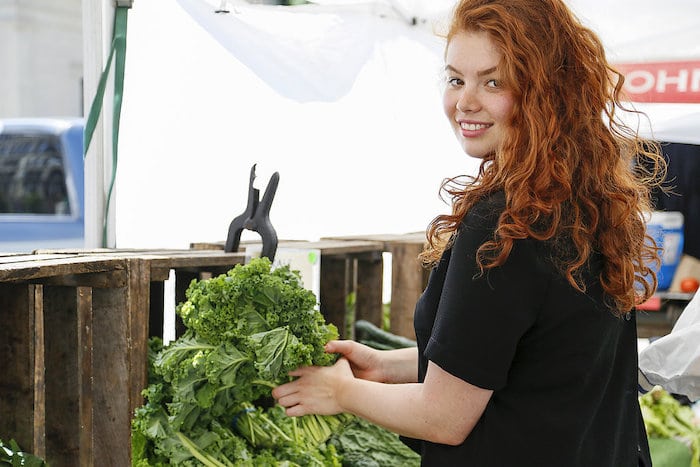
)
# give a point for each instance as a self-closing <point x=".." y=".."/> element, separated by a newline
<point x="562" y="367"/>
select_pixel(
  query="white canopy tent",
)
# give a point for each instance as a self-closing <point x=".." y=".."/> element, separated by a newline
<point x="341" y="98"/>
<point x="343" y="103"/>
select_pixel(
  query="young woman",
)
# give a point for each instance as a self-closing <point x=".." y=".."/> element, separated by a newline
<point x="526" y="331"/>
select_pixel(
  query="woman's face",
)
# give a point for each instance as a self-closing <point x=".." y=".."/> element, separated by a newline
<point x="475" y="102"/>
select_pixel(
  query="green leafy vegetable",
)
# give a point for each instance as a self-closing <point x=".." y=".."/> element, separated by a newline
<point x="209" y="396"/>
<point x="665" y="417"/>
<point x="11" y="454"/>
<point x="366" y="445"/>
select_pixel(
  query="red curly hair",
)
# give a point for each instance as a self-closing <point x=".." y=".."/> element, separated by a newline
<point x="568" y="167"/>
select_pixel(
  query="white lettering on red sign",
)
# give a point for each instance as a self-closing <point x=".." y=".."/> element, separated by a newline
<point x="695" y="81"/>
<point x="662" y="81"/>
<point x="639" y="81"/>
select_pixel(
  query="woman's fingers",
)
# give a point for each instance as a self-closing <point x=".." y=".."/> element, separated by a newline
<point x="296" y="411"/>
<point x="285" y="390"/>
<point x="339" y="346"/>
<point x="289" y="400"/>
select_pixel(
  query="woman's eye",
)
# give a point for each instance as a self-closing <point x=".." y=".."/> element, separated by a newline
<point x="452" y="81"/>
<point x="493" y="83"/>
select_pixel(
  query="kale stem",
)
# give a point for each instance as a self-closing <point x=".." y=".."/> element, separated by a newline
<point x="202" y="457"/>
<point x="263" y="382"/>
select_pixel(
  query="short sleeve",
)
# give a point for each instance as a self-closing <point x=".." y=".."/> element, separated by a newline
<point x="481" y="318"/>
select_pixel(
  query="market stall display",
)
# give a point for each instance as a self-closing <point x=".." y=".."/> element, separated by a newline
<point x="673" y="429"/>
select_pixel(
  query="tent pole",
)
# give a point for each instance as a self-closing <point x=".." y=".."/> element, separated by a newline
<point x="98" y="22"/>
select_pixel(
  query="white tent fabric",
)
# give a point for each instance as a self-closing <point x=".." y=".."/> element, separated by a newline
<point x="679" y="129"/>
<point x="342" y="98"/>
<point x="643" y="30"/>
<point x="195" y="118"/>
<point x="310" y="42"/>
<point x="302" y="54"/>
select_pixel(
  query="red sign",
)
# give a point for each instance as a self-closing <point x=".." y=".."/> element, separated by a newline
<point x="662" y="81"/>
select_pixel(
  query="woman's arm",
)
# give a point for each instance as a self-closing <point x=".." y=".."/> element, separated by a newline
<point x="442" y="409"/>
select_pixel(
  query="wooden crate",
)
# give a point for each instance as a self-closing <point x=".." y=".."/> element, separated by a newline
<point x="408" y="277"/>
<point x="74" y="345"/>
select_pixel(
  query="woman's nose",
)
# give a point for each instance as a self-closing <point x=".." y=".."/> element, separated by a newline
<point x="467" y="101"/>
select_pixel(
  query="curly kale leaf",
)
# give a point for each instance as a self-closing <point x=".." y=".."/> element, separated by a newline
<point x="176" y="359"/>
<point x="250" y="299"/>
<point x="276" y="352"/>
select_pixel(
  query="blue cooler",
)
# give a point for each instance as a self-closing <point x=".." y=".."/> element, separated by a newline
<point x="666" y="228"/>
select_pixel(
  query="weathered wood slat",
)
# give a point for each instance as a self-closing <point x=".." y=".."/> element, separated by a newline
<point x="58" y="266"/>
<point x="138" y="298"/>
<point x="195" y="259"/>
<point x="100" y="280"/>
<point x="386" y="239"/>
<point x="62" y="376"/>
<point x="339" y="280"/>
<point x="110" y="390"/>
<point x="37" y="355"/>
<point x="18" y="414"/>
<point x="85" y="375"/>
<point x="327" y="246"/>
<point x="370" y="275"/>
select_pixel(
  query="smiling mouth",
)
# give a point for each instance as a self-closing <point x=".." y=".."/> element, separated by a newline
<point x="473" y="126"/>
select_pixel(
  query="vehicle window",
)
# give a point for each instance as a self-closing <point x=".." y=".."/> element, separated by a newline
<point x="32" y="179"/>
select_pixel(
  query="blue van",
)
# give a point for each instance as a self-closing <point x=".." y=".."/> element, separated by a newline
<point x="41" y="184"/>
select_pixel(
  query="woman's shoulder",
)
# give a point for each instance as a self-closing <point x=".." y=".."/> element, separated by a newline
<point x="484" y="214"/>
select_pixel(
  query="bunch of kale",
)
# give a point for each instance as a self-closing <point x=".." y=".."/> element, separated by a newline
<point x="208" y="400"/>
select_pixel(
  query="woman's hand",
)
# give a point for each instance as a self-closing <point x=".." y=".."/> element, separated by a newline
<point x="382" y="366"/>
<point x="316" y="390"/>
<point x="365" y="362"/>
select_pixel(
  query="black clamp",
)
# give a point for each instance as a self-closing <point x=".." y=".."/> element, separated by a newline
<point x="256" y="217"/>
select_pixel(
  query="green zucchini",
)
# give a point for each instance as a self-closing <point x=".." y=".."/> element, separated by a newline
<point x="369" y="334"/>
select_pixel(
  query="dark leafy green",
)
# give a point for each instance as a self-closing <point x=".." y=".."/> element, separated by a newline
<point x="11" y="454"/>
<point x="209" y="396"/>
<point x="665" y="417"/>
<point x="364" y="444"/>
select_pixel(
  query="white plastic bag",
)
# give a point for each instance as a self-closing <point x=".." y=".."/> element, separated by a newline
<point x="673" y="361"/>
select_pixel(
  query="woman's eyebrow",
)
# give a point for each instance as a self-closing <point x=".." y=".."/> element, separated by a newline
<point x="451" y="68"/>
<point x="481" y="73"/>
<point x="487" y="71"/>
